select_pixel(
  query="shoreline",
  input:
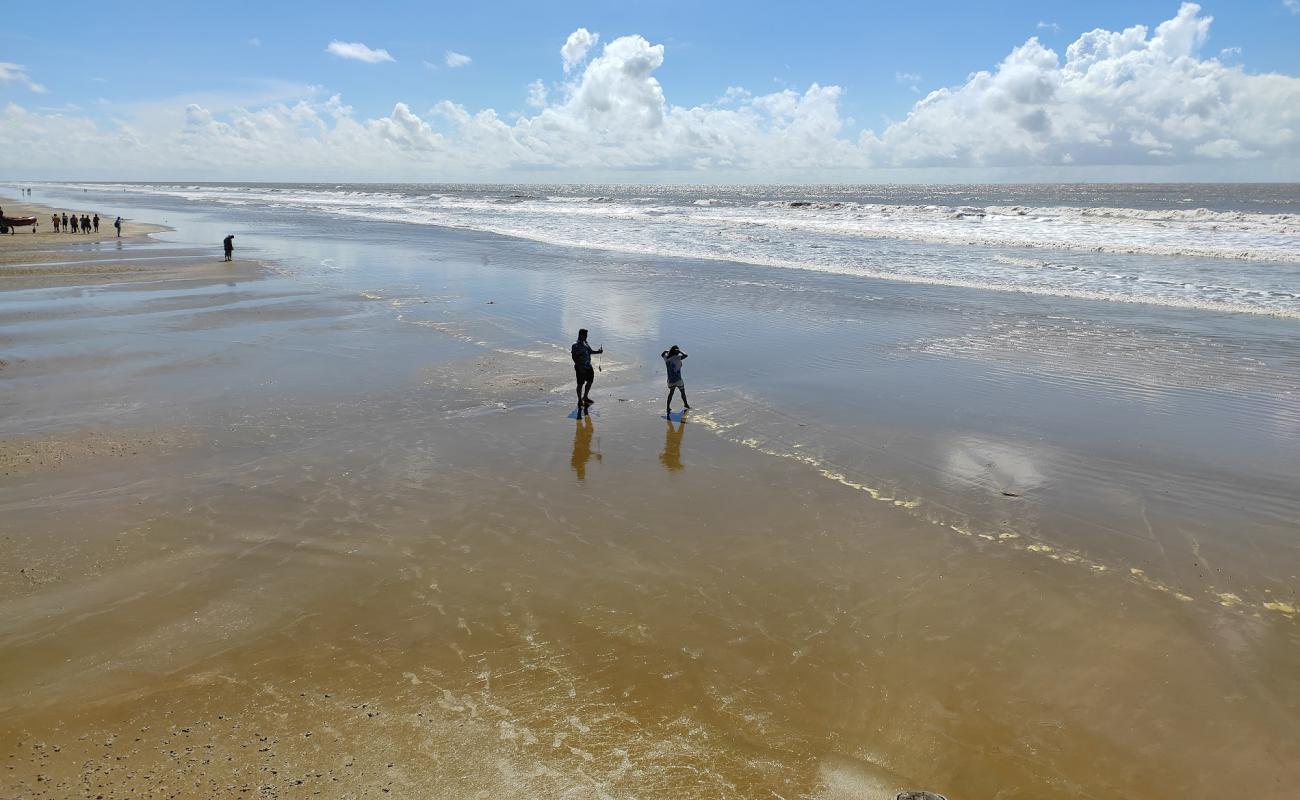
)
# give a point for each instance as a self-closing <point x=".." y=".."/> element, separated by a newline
<point x="41" y="258"/>
<point x="341" y="532"/>
<point x="1165" y="257"/>
<point x="44" y="235"/>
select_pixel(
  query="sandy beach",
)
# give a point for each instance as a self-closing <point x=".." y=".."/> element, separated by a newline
<point x="273" y="533"/>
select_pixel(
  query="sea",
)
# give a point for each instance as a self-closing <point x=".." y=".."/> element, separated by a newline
<point x="1062" y="369"/>
<point x="1219" y="247"/>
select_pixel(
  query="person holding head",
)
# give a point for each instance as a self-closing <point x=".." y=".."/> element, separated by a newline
<point x="673" y="362"/>
<point x="582" y="353"/>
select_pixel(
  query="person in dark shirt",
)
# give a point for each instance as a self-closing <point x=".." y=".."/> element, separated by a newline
<point x="117" y="223"/>
<point x="95" y="222"/>
<point x="673" y="362"/>
<point x="582" y="353"/>
<point x="228" y="244"/>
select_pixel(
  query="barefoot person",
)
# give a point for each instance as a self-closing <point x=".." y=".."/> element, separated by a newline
<point x="117" y="223"/>
<point x="673" y="361"/>
<point x="582" y="353"/>
<point x="228" y="244"/>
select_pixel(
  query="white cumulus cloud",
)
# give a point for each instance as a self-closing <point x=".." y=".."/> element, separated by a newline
<point x="17" y="73"/>
<point x="358" y="52"/>
<point x="1116" y="100"/>
<point x="576" y="46"/>
<point x="454" y="59"/>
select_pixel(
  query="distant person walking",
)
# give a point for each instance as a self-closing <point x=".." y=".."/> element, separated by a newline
<point x="582" y="353"/>
<point x="117" y="223"/>
<point x="228" y="244"/>
<point x="54" y="220"/>
<point x="673" y="358"/>
<point x="65" y="223"/>
<point x="85" y="223"/>
<point x="95" y="221"/>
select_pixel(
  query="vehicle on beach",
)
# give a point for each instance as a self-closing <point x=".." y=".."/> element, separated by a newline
<point x="7" y="224"/>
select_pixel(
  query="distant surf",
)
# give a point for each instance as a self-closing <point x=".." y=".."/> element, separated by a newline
<point x="1217" y="247"/>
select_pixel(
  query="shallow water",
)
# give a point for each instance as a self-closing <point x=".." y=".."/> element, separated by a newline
<point x="1215" y="246"/>
<point x="1127" y="436"/>
<point x="912" y="536"/>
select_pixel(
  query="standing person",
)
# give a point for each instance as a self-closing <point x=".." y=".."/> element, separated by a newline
<point x="673" y="358"/>
<point x="65" y="223"/>
<point x="95" y="221"/>
<point x="85" y="223"/>
<point x="582" y="353"/>
<point x="117" y="223"/>
<point x="54" y="220"/>
<point x="228" y="244"/>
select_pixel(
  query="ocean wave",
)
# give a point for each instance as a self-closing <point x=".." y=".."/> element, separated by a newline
<point x="1234" y="261"/>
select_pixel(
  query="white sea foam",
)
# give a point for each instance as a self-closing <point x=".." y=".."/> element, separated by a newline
<point x="1233" y="261"/>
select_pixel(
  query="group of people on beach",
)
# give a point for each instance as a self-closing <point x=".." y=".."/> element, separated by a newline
<point x="582" y="352"/>
<point x="83" y="224"/>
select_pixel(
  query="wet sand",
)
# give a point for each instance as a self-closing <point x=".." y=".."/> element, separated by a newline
<point x="269" y="540"/>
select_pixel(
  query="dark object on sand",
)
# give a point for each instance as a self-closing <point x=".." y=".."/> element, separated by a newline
<point x="914" y="794"/>
<point x="7" y="224"/>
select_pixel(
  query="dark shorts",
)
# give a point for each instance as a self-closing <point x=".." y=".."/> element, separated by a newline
<point x="585" y="374"/>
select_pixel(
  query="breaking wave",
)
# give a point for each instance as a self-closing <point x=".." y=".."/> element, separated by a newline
<point x="1215" y="259"/>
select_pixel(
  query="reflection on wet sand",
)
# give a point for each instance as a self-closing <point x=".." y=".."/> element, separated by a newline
<point x="583" y="430"/>
<point x="671" y="457"/>
<point x="223" y="585"/>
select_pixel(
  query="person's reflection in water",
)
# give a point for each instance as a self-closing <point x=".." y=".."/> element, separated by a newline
<point x="582" y="433"/>
<point x="671" y="457"/>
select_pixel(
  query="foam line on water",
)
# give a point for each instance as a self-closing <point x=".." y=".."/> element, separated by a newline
<point x="952" y="519"/>
<point x="852" y="238"/>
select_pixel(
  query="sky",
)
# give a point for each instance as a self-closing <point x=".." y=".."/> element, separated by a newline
<point x="716" y="92"/>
